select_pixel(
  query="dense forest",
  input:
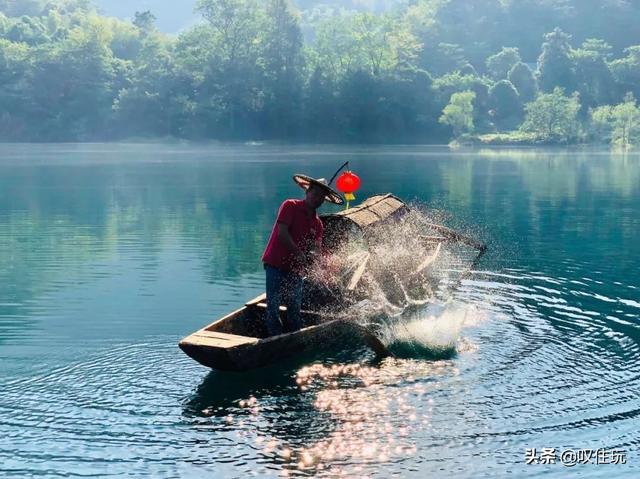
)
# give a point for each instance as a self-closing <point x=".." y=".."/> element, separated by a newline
<point x="174" y="16"/>
<point x="553" y="71"/>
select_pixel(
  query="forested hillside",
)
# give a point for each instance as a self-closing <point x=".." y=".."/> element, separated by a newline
<point x="414" y="71"/>
<point x="173" y="16"/>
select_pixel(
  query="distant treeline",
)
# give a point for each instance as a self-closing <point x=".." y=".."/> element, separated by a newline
<point x="421" y="71"/>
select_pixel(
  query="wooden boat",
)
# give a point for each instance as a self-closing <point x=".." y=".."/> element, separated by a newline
<point x="239" y="340"/>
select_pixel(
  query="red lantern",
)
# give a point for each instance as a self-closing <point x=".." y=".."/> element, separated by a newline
<point x="348" y="183"/>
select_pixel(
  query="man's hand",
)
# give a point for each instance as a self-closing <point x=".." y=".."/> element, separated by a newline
<point x="299" y="257"/>
<point x="314" y="256"/>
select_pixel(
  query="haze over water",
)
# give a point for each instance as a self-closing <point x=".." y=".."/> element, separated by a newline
<point x="109" y="254"/>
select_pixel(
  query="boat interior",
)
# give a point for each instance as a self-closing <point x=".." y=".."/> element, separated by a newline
<point x="249" y="320"/>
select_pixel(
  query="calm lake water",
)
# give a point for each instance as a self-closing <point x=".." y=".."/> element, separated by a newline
<point x="109" y="254"/>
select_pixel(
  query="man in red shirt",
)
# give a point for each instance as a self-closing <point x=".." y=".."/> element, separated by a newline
<point x="295" y="239"/>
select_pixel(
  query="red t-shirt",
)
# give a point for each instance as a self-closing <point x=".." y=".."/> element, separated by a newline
<point x="306" y="232"/>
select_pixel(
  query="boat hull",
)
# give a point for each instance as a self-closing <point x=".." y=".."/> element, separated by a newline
<point x="217" y="349"/>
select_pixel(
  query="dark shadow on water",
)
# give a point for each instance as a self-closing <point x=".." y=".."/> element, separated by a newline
<point x="417" y="350"/>
<point x="221" y="390"/>
<point x="287" y="411"/>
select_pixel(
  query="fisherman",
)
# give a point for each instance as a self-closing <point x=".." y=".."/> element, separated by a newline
<point x="293" y="246"/>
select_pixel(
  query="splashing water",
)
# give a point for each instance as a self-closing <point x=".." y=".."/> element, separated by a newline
<point x="432" y="332"/>
<point x="404" y="295"/>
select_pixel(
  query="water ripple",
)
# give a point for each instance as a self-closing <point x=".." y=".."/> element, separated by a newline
<point x="105" y="263"/>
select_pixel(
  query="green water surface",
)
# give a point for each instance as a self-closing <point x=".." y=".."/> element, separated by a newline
<point x="109" y="254"/>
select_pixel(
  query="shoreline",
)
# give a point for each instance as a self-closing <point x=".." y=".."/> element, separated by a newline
<point x="523" y="140"/>
<point x="487" y="141"/>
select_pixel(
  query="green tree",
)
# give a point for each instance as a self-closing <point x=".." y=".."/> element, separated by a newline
<point x="259" y="69"/>
<point x="500" y="64"/>
<point x="28" y="30"/>
<point x="373" y="34"/>
<point x="283" y="61"/>
<point x="619" y="123"/>
<point x="126" y="41"/>
<point x="15" y="68"/>
<point x="145" y="21"/>
<point x="320" y="108"/>
<point x="335" y="50"/>
<point x="455" y="82"/>
<point x="73" y="84"/>
<point x="406" y="108"/>
<point x="149" y="103"/>
<point x="379" y="44"/>
<point x="553" y="117"/>
<point x="443" y="58"/>
<point x="594" y="80"/>
<point x="15" y="8"/>
<point x="235" y="24"/>
<point x="37" y="8"/>
<point x="447" y="85"/>
<point x="555" y="68"/>
<point x="469" y="69"/>
<point x="601" y="48"/>
<point x="195" y="60"/>
<point x="467" y="23"/>
<point x="359" y="106"/>
<point x="505" y="104"/>
<point x="458" y="114"/>
<point x="4" y="24"/>
<point x="235" y="73"/>
<point x="523" y="79"/>
<point x="627" y="71"/>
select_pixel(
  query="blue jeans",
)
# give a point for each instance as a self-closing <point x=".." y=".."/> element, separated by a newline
<point x="283" y="287"/>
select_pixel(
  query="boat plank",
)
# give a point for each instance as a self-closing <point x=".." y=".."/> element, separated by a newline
<point x="258" y="299"/>
<point x="355" y="279"/>
<point x="213" y="338"/>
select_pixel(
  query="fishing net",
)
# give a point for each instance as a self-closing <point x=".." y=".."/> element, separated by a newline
<point x="376" y="272"/>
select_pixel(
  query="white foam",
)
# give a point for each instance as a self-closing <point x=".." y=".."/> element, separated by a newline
<point x="438" y="326"/>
